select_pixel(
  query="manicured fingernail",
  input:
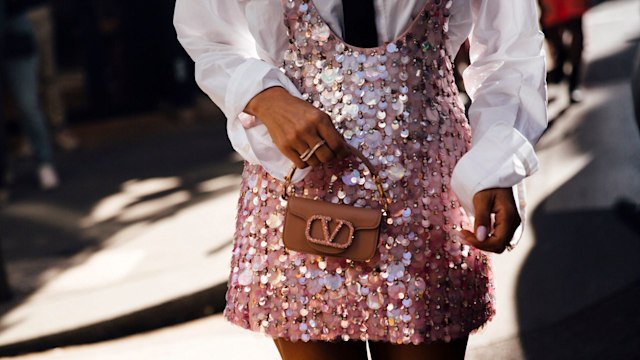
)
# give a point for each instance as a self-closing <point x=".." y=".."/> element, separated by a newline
<point x="481" y="233"/>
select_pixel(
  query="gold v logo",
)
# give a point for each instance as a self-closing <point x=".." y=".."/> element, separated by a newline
<point x="329" y="238"/>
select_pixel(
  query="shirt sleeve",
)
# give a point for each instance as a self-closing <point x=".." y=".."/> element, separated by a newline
<point x="231" y="69"/>
<point x="506" y="82"/>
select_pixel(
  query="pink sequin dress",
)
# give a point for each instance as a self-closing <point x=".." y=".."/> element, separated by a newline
<point x="398" y="104"/>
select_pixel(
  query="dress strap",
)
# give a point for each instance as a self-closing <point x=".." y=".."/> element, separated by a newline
<point x="290" y="7"/>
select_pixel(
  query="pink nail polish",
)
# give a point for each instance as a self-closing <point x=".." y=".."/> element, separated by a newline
<point x="481" y="233"/>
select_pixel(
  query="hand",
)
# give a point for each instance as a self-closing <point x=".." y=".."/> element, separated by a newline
<point x="493" y="237"/>
<point x="296" y="126"/>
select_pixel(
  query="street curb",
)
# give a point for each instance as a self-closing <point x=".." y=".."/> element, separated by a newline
<point x="186" y="308"/>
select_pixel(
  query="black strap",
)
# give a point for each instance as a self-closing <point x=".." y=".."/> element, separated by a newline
<point x="360" y="23"/>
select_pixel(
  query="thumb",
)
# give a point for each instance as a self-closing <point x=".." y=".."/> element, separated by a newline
<point x="482" y="203"/>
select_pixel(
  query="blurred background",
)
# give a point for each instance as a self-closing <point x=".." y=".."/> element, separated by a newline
<point x="118" y="192"/>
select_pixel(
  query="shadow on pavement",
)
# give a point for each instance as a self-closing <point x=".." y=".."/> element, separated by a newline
<point x="43" y="234"/>
<point x="580" y="257"/>
<point x="615" y="67"/>
<point x="578" y="289"/>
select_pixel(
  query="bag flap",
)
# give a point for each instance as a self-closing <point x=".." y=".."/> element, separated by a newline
<point x="361" y="218"/>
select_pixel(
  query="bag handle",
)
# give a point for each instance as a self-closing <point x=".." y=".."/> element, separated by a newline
<point x="382" y="198"/>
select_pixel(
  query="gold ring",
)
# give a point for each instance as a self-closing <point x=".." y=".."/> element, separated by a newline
<point x="305" y="154"/>
<point x="309" y="153"/>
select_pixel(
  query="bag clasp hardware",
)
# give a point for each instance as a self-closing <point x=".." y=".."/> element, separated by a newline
<point x="329" y="238"/>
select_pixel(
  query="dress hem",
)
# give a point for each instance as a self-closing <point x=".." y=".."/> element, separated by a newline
<point x="476" y="328"/>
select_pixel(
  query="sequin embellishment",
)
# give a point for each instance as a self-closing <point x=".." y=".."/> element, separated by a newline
<point x="398" y="104"/>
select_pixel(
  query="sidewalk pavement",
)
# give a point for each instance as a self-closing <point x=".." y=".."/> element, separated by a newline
<point x="203" y="339"/>
<point x="139" y="237"/>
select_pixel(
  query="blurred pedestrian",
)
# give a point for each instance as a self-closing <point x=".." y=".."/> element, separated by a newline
<point x="41" y="17"/>
<point x="177" y="87"/>
<point x="307" y="84"/>
<point x="20" y="70"/>
<point x="562" y="19"/>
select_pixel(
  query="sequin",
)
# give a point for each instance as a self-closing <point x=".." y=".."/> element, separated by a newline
<point x="370" y="98"/>
<point x="274" y="220"/>
<point x="396" y="172"/>
<point x="350" y="110"/>
<point x="245" y="278"/>
<point x="375" y="300"/>
<point x="333" y="282"/>
<point x="290" y="55"/>
<point x="348" y="134"/>
<point x="395" y="271"/>
<point x="351" y="178"/>
<point x="397" y="104"/>
<point x="314" y="286"/>
<point x="320" y="32"/>
<point x="397" y="291"/>
<point x="329" y="76"/>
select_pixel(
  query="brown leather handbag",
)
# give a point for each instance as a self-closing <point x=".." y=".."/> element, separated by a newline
<point x="323" y="228"/>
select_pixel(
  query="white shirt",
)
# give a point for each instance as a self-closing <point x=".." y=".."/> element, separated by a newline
<point x="238" y="47"/>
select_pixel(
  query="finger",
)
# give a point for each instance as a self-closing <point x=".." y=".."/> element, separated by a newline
<point x="506" y="223"/>
<point x="491" y="244"/>
<point x="300" y="147"/>
<point x="311" y="139"/>
<point x="292" y="155"/>
<point x="483" y="205"/>
<point x="323" y="154"/>
<point x="313" y="159"/>
<point x="470" y="239"/>
<point x="334" y="140"/>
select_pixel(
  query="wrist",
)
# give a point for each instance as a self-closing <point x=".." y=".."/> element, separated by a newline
<point x="265" y="98"/>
